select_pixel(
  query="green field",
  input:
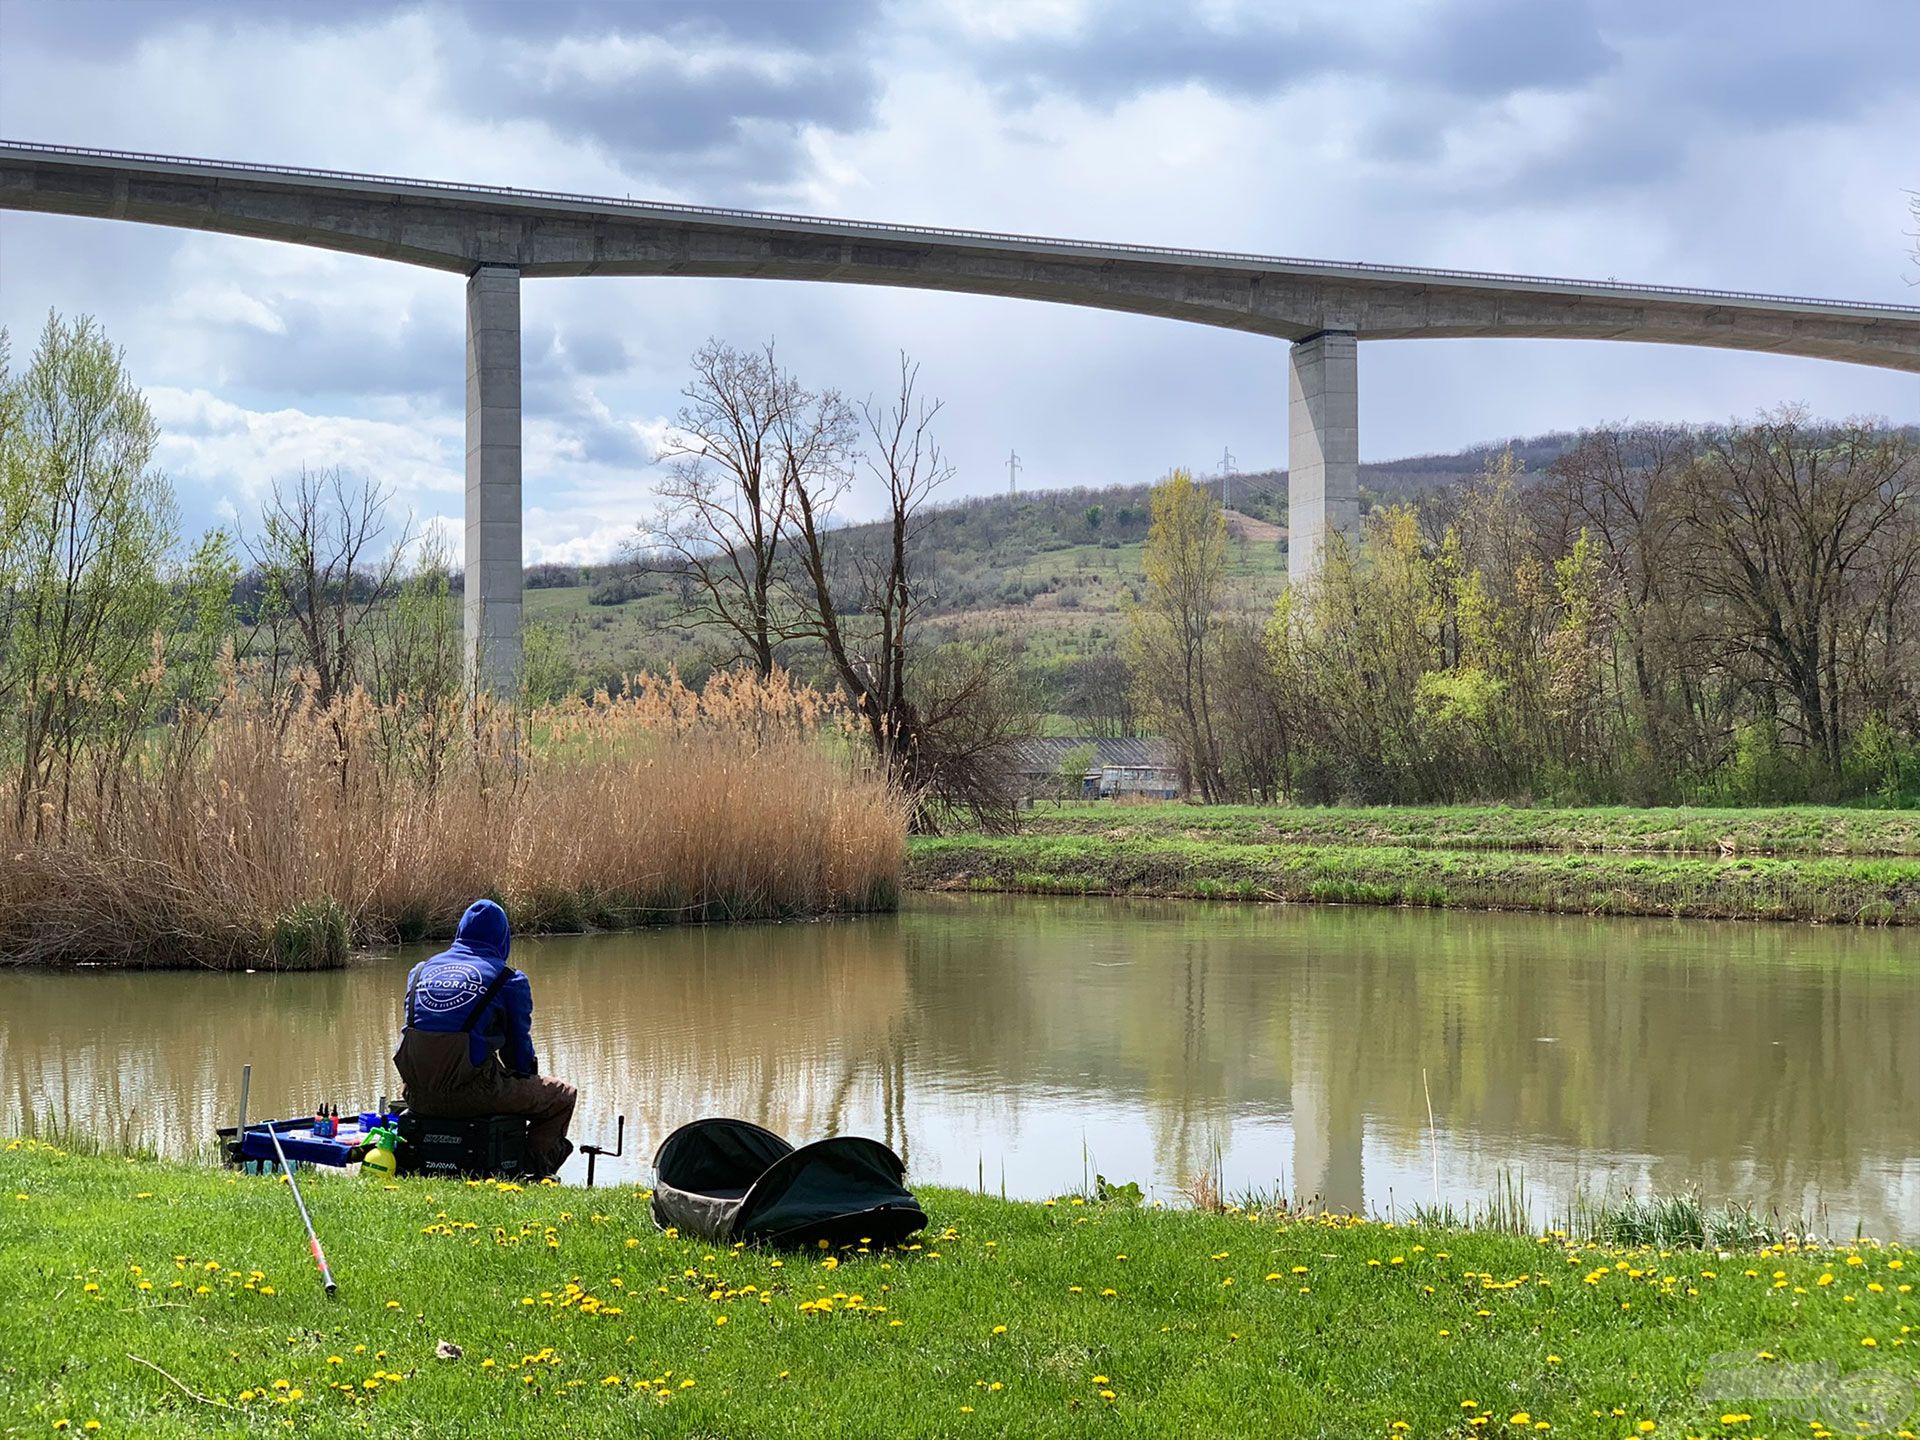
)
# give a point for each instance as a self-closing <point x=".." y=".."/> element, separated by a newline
<point x="1811" y="830"/>
<point x="574" y="1317"/>
<point x="1792" y="863"/>
<point x="1056" y="599"/>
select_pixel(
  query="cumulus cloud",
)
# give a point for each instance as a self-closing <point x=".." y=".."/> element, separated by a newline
<point x="1748" y="144"/>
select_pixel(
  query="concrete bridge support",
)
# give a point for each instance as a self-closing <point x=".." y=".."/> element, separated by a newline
<point x="493" y="477"/>
<point x="1323" y="447"/>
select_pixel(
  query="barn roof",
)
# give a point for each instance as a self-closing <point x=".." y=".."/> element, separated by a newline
<point x="1046" y="754"/>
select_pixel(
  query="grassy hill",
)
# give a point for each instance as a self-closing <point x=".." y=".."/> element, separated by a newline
<point x="1051" y="570"/>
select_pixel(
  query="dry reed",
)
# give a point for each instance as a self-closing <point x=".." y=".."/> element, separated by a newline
<point x="275" y="832"/>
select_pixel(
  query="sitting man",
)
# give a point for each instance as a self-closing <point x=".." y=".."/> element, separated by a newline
<point x="467" y="1050"/>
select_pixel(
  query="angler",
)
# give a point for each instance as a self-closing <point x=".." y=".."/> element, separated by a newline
<point x="467" y="1049"/>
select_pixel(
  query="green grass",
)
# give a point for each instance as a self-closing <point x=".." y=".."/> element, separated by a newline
<point x="1839" y="890"/>
<point x="1778" y="830"/>
<point x="1010" y="1319"/>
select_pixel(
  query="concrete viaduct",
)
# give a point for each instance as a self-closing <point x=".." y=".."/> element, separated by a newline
<point x="495" y="236"/>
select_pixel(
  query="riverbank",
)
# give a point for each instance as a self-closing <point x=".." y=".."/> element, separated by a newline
<point x="571" y="1314"/>
<point x="1798" y="830"/>
<point x="1806" y="864"/>
<point x="280" y="834"/>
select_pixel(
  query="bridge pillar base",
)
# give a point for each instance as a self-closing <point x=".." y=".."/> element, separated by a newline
<point x="1323" y="448"/>
<point x="493" y="568"/>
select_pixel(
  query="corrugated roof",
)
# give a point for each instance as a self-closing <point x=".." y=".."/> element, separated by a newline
<point x="1045" y="755"/>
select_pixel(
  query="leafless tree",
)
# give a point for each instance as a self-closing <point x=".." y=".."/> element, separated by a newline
<point x="943" y="727"/>
<point x="327" y="553"/>
<point x="1624" y="487"/>
<point x="1789" y="520"/>
<point x="747" y="435"/>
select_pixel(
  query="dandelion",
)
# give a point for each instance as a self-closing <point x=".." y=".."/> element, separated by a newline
<point x="999" y="1329"/>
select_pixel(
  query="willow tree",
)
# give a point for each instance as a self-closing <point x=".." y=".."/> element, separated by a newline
<point x="1173" y="636"/>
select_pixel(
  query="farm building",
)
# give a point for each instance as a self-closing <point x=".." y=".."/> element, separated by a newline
<point x="1130" y="768"/>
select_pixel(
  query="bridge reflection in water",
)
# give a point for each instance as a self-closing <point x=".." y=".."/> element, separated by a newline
<point x="1029" y="1043"/>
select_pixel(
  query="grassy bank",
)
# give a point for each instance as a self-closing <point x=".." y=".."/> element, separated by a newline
<point x="1809" y="830"/>
<point x="277" y="833"/>
<point x="573" y="1316"/>
<point x="1436" y="859"/>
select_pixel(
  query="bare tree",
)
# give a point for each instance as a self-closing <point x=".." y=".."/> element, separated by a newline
<point x="943" y="723"/>
<point x="327" y="554"/>
<point x="747" y="435"/>
<point x="1624" y="488"/>
<point x="1788" y="521"/>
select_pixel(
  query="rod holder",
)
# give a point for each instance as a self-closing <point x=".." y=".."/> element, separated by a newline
<point x="594" y="1152"/>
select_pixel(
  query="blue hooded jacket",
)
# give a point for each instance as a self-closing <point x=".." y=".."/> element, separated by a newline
<point x="444" y="991"/>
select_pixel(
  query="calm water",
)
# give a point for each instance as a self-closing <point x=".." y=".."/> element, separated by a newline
<point x="1025" y="1043"/>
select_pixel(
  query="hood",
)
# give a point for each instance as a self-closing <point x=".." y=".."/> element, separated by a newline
<point x="483" y="930"/>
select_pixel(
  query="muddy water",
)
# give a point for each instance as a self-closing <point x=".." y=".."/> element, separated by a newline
<point x="1028" y="1044"/>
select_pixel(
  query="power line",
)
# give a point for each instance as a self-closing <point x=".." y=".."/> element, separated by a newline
<point x="1226" y="478"/>
<point x="1013" y="466"/>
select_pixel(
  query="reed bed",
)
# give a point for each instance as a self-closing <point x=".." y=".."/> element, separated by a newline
<point x="278" y="833"/>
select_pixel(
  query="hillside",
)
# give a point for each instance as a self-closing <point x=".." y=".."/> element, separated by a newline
<point x="1051" y="570"/>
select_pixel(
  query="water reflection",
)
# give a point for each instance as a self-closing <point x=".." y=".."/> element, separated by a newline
<point x="1027" y="1043"/>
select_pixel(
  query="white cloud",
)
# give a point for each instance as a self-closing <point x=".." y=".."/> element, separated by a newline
<point x="217" y="451"/>
<point x="263" y="357"/>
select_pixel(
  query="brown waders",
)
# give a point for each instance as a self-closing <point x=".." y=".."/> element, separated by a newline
<point x="442" y="1082"/>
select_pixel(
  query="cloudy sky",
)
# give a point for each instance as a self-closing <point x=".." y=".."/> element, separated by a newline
<point x="1743" y="144"/>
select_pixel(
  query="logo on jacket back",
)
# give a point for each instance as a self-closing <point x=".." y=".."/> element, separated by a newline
<point x="447" y="988"/>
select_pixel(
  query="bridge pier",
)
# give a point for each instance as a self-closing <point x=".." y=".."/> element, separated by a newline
<point x="493" y="569"/>
<point x="1323" y="448"/>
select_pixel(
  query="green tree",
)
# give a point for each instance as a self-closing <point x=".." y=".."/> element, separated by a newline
<point x="86" y="526"/>
<point x="1173" y="631"/>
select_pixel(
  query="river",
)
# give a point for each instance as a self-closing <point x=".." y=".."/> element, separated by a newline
<point x="1027" y="1044"/>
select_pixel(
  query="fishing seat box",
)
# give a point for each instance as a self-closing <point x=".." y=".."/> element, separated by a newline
<point x="486" y="1147"/>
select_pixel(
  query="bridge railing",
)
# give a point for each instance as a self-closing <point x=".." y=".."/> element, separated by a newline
<point x="662" y="208"/>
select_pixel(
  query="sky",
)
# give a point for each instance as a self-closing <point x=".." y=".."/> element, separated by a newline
<point x="1764" y="145"/>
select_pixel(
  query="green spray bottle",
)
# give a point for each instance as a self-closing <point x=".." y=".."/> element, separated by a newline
<point x="380" y="1162"/>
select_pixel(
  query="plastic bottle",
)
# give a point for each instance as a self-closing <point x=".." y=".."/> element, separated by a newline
<point x="380" y="1162"/>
